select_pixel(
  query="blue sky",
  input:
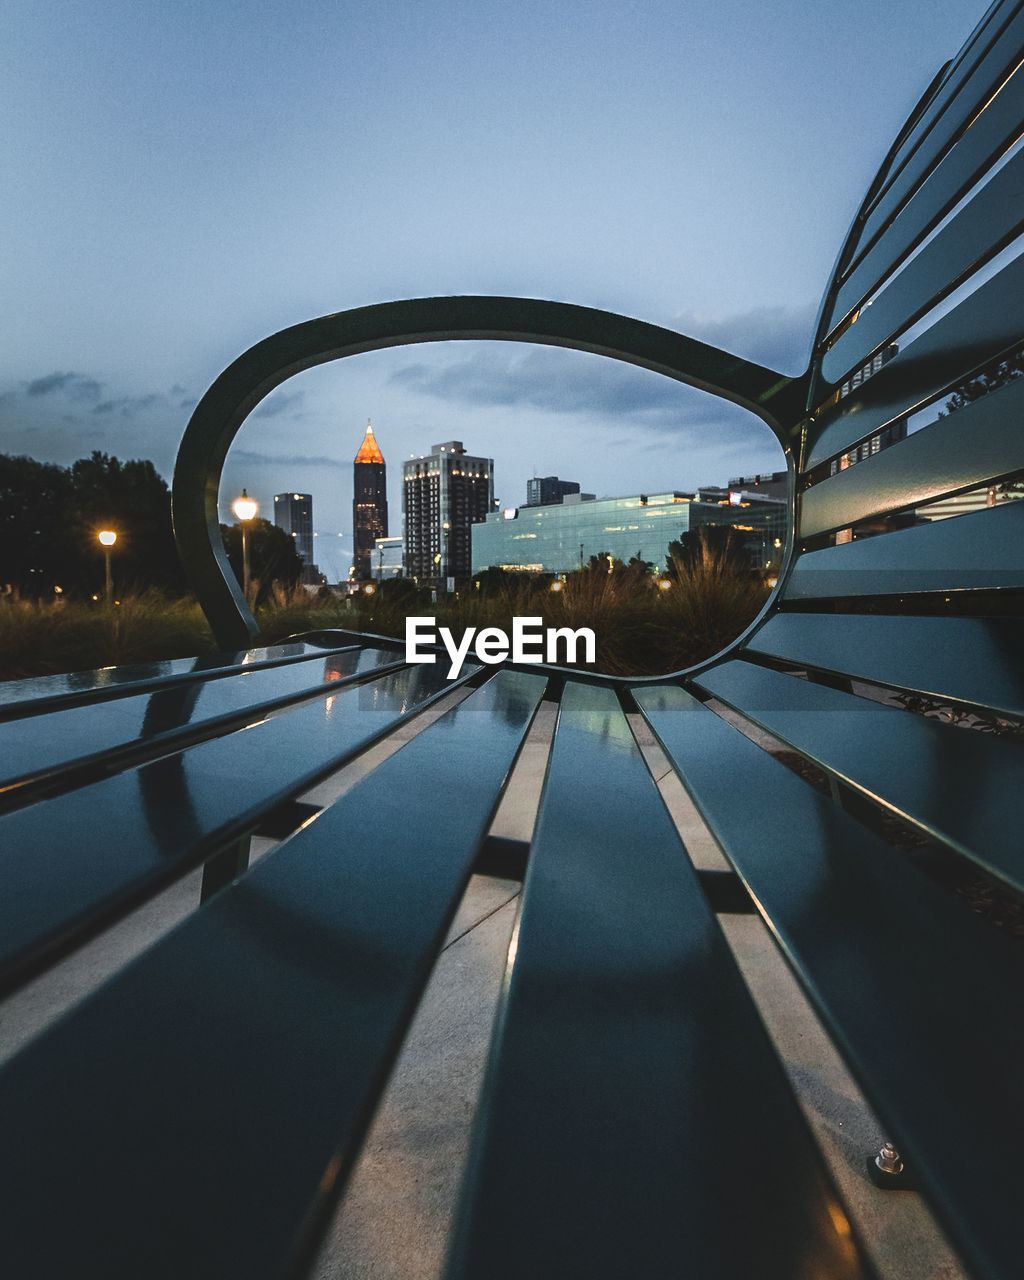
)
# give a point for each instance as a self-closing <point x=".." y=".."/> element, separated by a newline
<point x="182" y="180"/>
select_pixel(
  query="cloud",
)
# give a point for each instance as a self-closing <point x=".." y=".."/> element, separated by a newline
<point x="549" y="380"/>
<point x="277" y="403"/>
<point x="778" y="337"/>
<point x="252" y="458"/>
<point x="75" y="385"/>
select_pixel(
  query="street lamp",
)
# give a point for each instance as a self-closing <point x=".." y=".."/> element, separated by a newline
<point x="107" y="539"/>
<point x="244" y="509"/>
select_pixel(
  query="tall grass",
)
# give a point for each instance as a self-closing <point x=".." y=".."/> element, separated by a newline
<point x="640" y="629"/>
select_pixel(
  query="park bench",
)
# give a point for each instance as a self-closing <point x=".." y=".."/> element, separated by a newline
<point x="856" y="755"/>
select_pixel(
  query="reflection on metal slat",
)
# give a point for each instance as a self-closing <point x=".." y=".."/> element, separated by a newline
<point x="994" y="131"/>
<point x="967" y="553"/>
<point x="990" y="221"/>
<point x="79" y="688"/>
<point x="75" y="863"/>
<point x="975" y="660"/>
<point x="979" y="329"/>
<point x="961" y="98"/>
<point x="901" y="971"/>
<point x="130" y="730"/>
<point x="977" y="444"/>
<point x="966" y="789"/>
<point x="627" y="1049"/>
<point x="294" y="985"/>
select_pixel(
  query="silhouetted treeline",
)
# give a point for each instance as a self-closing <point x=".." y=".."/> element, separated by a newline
<point x="50" y="518"/>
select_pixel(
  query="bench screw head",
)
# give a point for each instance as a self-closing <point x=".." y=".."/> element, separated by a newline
<point x="888" y="1159"/>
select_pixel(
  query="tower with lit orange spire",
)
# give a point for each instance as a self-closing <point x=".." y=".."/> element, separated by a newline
<point x="369" y="504"/>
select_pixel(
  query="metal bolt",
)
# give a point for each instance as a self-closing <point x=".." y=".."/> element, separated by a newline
<point x="888" y="1159"/>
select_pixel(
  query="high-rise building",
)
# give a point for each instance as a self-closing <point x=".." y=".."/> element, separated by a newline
<point x="443" y="495"/>
<point x="293" y="512"/>
<point x="542" y="491"/>
<point x="369" y="504"/>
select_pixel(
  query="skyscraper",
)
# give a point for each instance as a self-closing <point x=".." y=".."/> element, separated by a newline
<point x="293" y="512"/>
<point x="369" y="504"/>
<point x="443" y="494"/>
<point x="543" y="491"/>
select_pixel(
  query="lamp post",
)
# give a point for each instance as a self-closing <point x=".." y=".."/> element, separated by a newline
<point x="244" y="509"/>
<point x="107" y="539"/>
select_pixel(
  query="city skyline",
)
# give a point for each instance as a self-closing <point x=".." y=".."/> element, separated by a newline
<point x="170" y="204"/>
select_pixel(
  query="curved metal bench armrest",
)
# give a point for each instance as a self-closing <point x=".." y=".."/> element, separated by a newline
<point x="775" y="398"/>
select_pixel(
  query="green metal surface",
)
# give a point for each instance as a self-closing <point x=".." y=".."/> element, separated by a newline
<point x="626" y="1052"/>
<point x="49" y="753"/>
<point x="989" y="55"/>
<point x="991" y="220"/>
<point x="138" y="831"/>
<point x="256" y="1036"/>
<point x="775" y="398"/>
<point x="972" y="660"/>
<point x="981" y="328"/>
<point x="921" y="997"/>
<point x="995" y="130"/>
<point x="979" y="444"/>
<point x="982" y="550"/>
<point x="964" y="790"/>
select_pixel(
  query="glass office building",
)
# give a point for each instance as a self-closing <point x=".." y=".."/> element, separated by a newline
<point x="560" y="538"/>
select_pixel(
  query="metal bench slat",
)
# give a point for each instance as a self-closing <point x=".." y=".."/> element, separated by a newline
<point x="904" y="975"/>
<point x="974" y="660"/>
<point x="979" y="443"/>
<point x="197" y="1116"/>
<point x="983" y="326"/>
<point x="966" y="88"/>
<point x="977" y="232"/>
<point x="991" y="134"/>
<point x="51" y="751"/>
<point x="984" y="549"/>
<point x="80" y="688"/>
<point x="73" y="863"/>
<point x="966" y="789"/>
<point x="626" y="1050"/>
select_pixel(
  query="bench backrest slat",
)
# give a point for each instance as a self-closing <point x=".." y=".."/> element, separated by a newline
<point x="964" y="789"/>
<point x="981" y="550"/>
<point x="966" y="660"/>
<point x="960" y="451"/>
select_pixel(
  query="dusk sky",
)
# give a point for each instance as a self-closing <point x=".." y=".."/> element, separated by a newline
<point x="181" y="180"/>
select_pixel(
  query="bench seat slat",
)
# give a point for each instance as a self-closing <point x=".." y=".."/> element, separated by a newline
<point x="964" y="788"/>
<point x="43" y="752"/>
<point x="71" y="864"/>
<point x="626" y="1049"/>
<point x="974" y="660"/>
<point x="257" y="1034"/>
<point x="982" y="550"/>
<point x="81" y="688"/>
<point x="904" y="975"/>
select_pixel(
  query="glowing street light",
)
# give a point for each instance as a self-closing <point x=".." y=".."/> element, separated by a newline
<point x="244" y="509"/>
<point x="107" y="539"/>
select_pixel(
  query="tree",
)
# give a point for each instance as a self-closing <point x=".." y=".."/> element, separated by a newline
<point x="132" y="499"/>
<point x="34" y="542"/>
<point x="272" y="555"/>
